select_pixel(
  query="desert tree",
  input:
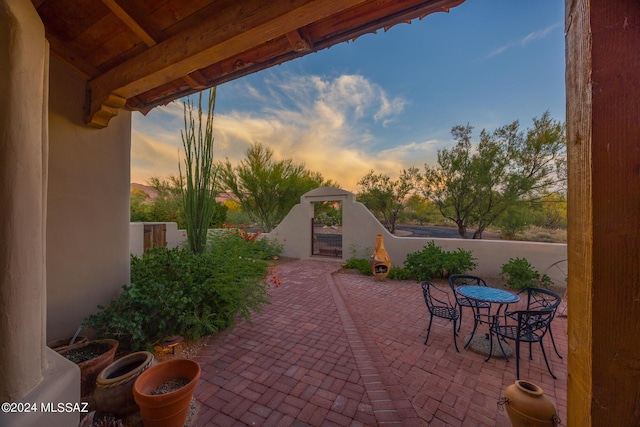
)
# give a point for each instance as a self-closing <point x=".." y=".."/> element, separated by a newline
<point x="267" y="188"/>
<point x="474" y="186"/>
<point x="386" y="197"/>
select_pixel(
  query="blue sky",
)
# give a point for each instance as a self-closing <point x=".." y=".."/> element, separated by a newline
<point x="386" y="101"/>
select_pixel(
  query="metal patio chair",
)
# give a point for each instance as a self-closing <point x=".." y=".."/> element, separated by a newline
<point x="541" y="299"/>
<point x="439" y="306"/>
<point x="522" y="326"/>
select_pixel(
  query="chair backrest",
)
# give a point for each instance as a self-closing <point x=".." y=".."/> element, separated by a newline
<point x="456" y="280"/>
<point x="432" y="301"/>
<point x="541" y="299"/>
<point x="532" y="324"/>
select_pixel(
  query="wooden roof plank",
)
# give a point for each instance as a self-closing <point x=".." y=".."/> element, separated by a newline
<point x="206" y="44"/>
<point x="129" y="22"/>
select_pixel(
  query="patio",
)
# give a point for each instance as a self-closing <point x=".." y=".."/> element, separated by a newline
<point x="347" y="350"/>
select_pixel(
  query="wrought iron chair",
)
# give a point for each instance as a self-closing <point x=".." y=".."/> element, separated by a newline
<point x="522" y="326"/>
<point x="463" y="280"/>
<point x="439" y="307"/>
<point x="541" y="299"/>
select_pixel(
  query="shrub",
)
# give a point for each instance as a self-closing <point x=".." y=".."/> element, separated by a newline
<point x="520" y="274"/>
<point x="433" y="262"/>
<point x="360" y="264"/>
<point x="178" y="292"/>
<point x="398" y="273"/>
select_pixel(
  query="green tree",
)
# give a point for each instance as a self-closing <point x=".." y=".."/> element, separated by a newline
<point x="475" y="186"/>
<point x="199" y="184"/>
<point x="168" y="204"/>
<point x="385" y="197"/>
<point x="266" y="188"/>
<point x="551" y="211"/>
<point x="139" y="205"/>
<point x="514" y="220"/>
<point x="420" y="210"/>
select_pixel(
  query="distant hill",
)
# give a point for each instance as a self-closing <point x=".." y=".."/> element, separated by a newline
<point x="223" y="197"/>
<point x="146" y="188"/>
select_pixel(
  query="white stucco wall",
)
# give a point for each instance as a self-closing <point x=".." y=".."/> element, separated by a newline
<point x="174" y="237"/>
<point x="360" y="227"/>
<point x="88" y="206"/>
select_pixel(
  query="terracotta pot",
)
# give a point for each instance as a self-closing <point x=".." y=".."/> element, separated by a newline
<point x="169" y="409"/>
<point x="114" y="384"/>
<point x="380" y="261"/>
<point x="63" y="343"/>
<point x="90" y="369"/>
<point x="528" y="406"/>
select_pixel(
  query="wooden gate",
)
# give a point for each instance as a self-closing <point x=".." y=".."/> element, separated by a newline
<point x="155" y="235"/>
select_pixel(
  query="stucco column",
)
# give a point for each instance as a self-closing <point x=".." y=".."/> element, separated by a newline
<point x="23" y="73"/>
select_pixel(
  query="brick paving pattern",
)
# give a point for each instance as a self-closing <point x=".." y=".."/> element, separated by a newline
<point x="347" y="350"/>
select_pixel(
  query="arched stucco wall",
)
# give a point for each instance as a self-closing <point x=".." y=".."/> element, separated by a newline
<point x="360" y="227"/>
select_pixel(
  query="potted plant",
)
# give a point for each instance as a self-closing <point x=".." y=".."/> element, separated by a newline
<point x="91" y="357"/>
<point x="63" y="343"/>
<point x="114" y="385"/>
<point x="164" y="392"/>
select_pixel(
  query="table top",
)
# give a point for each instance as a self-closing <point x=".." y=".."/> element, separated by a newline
<point x="484" y="293"/>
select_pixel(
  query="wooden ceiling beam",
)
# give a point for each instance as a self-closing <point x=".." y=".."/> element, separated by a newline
<point x="239" y="27"/>
<point x="321" y="34"/>
<point x="299" y="42"/>
<point x="117" y="10"/>
<point x="196" y="80"/>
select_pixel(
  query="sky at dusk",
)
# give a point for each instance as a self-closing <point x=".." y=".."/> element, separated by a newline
<point x="385" y="101"/>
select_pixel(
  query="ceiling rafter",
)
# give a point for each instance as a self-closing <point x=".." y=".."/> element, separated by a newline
<point x="138" y="54"/>
<point x="200" y="46"/>
<point x="129" y="22"/>
<point x="61" y="51"/>
<point x="299" y="40"/>
<point x="279" y="50"/>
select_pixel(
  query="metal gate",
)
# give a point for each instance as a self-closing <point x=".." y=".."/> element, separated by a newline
<point x="326" y="240"/>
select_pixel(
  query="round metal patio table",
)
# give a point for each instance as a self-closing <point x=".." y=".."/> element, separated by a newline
<point x="480" y="343"/>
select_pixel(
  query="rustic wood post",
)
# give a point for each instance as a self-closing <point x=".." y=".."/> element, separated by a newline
<point x="603" y="142"/>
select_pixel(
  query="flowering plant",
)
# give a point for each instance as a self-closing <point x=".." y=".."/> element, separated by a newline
<point x="272" y="279"/>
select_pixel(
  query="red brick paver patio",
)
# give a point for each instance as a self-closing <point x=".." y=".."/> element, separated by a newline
<point x="347" y="350"/>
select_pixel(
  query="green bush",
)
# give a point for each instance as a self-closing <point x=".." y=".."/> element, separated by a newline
<point x="398" y="273"/>
<point x="520" y="274"/>
<point x="177" y="292"/>
<point x="360" y="264"/>
<point x="433" y="262"/>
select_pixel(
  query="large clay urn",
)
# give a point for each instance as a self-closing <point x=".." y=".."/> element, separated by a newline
<point x="528" y="406"/>
<point x="63" y="343"/>
<point x="114" y="385"/>
<point x="380" y="261"/>
<point x="168" y="409"/>
<point x="89" y="369"/>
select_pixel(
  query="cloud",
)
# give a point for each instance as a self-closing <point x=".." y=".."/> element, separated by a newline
<point x="151" y="156"/>
<point x="325" y="123"/>
<point x="536" y="35"/>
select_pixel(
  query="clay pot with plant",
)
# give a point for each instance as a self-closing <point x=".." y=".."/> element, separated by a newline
<point x="164" y="392"/>
<point x="91" y="357"/>
<point x="63" y="343"/>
